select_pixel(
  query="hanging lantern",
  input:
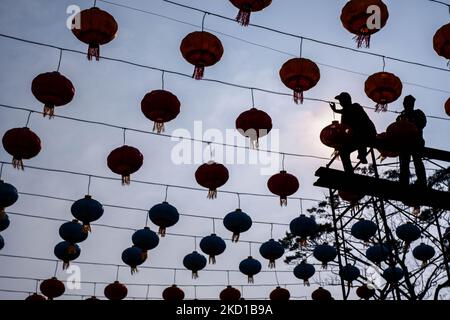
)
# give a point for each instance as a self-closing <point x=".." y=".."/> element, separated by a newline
<point x="134" y="257"/>
<point x="383" y="88"/>
<point x="409" y="233"/>
<point x="447" y="107"/>
<point x="194" y="262"/>
<point x="52" y="288"/>
<point x="201" y="49"/>
<point x="72" y="232"/>
<point x="364" y="292"/>
<point x="303" y="227"/>
<point x="349" y="273"/>
<point x="364" y="230"/>
<point x="67" y="252"/>
<point x="250" y="267"/>
<point x="404" y="136"/>
<point x="304" y="271"/>
<point x="116" y="291"/>
<point x="230" y="294"/>
<point x="94" y="27"/>
<point x="271" y="250"/>
<point x="2" y="243"/>
<point x="337" y="136"/>
<point x="284" y="185"/>
<point x="393" y="274"/>
<point x="246" y="7"/>
<point x="378" y="253"/>
<point x="35" y="297"/>
<point x="213" y="246"/>
<point x="441" y="42"/>
<point x="385" y="142"/>
<point x="325" y="254"/>
<point x="164" y="216"/>
<point x="424" y="253"/>
<point x="212" y="175"/>
<point x="93" y="298"/>
<point x="254" y="124"/>
<point x="53" y="90"/>
<point x="352" y="197"/>
<point x="87" y="210"/>
<point x="280" y="294"/>
<point x="300" y="75"/>
<point x="237" y="222"/>
<point x="4" y="222"/>
<point x="22" y="144"/>
<point x="356" y="16"/>
<point x="125" y="161"/>
<point x="8" y="196"/>
<point x="160" y="106"/>
<point x="173" y="294"/>
<point x="321" y="294"/>
<point x="145" y="239"/>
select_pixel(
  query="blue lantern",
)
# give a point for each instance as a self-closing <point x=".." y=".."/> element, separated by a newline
<point x="303" y="227"/>
<point x="164" y="216"/>
<point x="4" y="222"/>
<point x="349" y="273"/>
<point x="133" y="257"/>
<point x="364" y="230"/>
<point x="213" y="246"/>
<point x="87" y="210"/>
<point x="424" y="253"/>
<point x="2" y="242"/>
<point x="145" y="239"/>
<point x="304" y="271"/>
<point x="377" y="253"/>
<point x="237" y="222"/>
<point x="8" y="196"/>
<point x="67" y="252"/>
<point x="72" y="232"/>
<point x="409" y="233"/>
<point x="325" y="254"/>
<point x="393" y="274"/>
<point x="194" y="262"/>
<point x="250" y="267"/>
<point x="271" y="250"/>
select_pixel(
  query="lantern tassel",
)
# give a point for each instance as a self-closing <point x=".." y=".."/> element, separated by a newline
<point x="126" y="180"/>
<point x="134" y="270"/>
<point x="66" y="265"/>
<point x="17" y="164"/>
<point x="86" y="228"/>
<point x="93" y="51"/>
<point x="324" y="266"/>
<point x="283" y="201"/>
<point x="212" y="259"/>
<point x="381" y="107"/>
<point x="306" y="283"/>
<point x="251" y="280"/>
<point x="2" y="213"/>
<point x="272" y="264"/>
<point x="235" y="237"/>
<point x="212" y="194"/>
<point x="144" y="255"/>
<point x="199" y="72"/>
<point x="254" y="143"/>
<point x="243" y="18"/>
<point x="194" y="274"/>
<point x="302" y="241"/>
<point x="298" y="96"/>
<point x="162" y="231"/>
<point x="158" y="127"/>
<point x="362" y="40"/>
<point x="49" y="110"/>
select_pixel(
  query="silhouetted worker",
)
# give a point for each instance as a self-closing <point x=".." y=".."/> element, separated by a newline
<point x="418" y="118"/>
<point x="364" y="131"/>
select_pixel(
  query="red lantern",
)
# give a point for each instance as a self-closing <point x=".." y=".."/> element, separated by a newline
<point x="383" y="88"/>
<point x="53" y="90"/>
<point x="337" y="136"/>
<point x="280" y="294"/>
<point x="160" y="106"/>
<point x="321" y="294"/>
<point x="246" y="7"/>
<point x="404" y="136"/>
<point x="385" y="143"/>
<point x="230" y="294"/>
<point x="358" y="14"/>
<point x="35" y="297"/>
<point x="52" y="288"/>
<point x="202" y="49"/>
<point x="94" y="27"/>
<point x="254" y="124"/>
<point x="212" y="175"/>
<point x="173" y="293"/>
<point x="364" y="292"/>
<point x="116" y="291"/>
<point x="21" y="143"/>
<point x="351" y="197"/>
<point x="447" y="107"/>
<point x="125" y="161"/>
<point x="441" y="42"/>
<point x="283" y="184"/>
<point x="300" y="75"/>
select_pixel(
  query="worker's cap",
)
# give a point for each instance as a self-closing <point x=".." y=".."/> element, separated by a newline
<point x="410" y="98"/>
<point x="343" y="95"/>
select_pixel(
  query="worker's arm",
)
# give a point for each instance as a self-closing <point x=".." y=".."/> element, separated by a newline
<point x="333" y="107"/>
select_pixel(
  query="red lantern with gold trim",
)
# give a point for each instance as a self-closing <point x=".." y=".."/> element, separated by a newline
<point x="52" y="288"/>
<point x="283" y="184"/>
<point x="447" y="107"/>
<point x="125" y="161"/>
<point x="383" y="88"/>
<point x="337" y="136"/>
<point x="254" y="124"/>
<point x="246" y="7"/>
<point x="280" y="294"/>
<point x="116" y="291"/>
<point x="22" y="144"/>
<point x="230" y="294"/>
<point x="212" y="175"/>
<point x="160" y="106"/>
<point x="441" y="42"/>
<point x="173" y="294"/>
